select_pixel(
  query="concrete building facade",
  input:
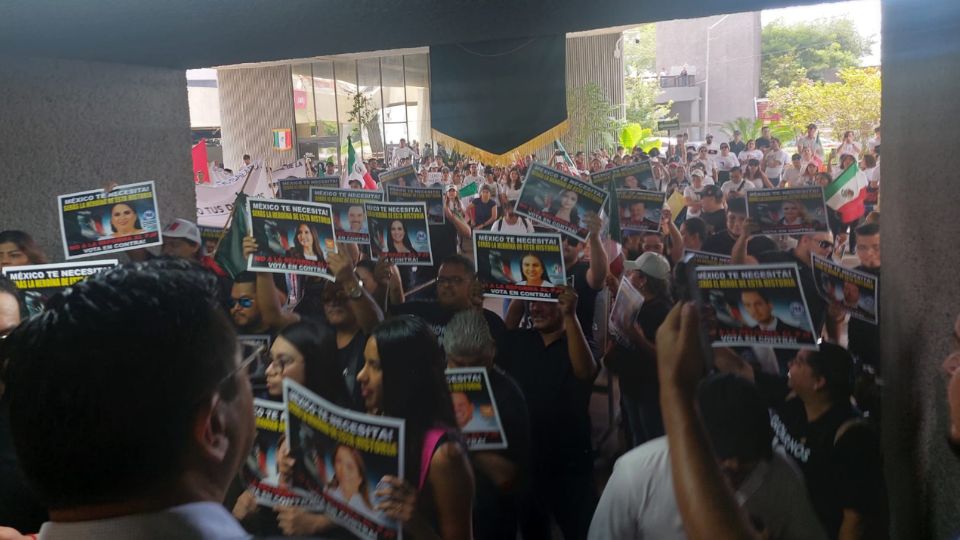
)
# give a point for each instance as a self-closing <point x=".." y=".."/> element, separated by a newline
<point x="732" y="73"/>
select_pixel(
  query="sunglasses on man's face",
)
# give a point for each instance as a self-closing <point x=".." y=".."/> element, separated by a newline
<point x="825" y="244"/>
<point x="244" y="301"/>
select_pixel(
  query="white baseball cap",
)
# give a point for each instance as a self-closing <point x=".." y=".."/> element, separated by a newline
<point x="181" y="228"/>
<point x="651" y="264"/>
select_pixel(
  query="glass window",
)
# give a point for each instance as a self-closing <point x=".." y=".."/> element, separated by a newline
<point x="304" y="113"/>
<point x="328" y="132"/>
<point x="394" y="102"/>
<point x="346" y="72"/>
<point x="368" y="71"/>
<point x="417" y="77"/>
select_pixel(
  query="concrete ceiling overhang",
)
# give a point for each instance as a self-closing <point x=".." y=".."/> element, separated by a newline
<point x="198" y="33"/>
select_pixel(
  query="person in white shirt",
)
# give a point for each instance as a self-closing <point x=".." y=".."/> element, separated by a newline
<point x="639" y="501"/>
<point x="751" y="152"/>
<point x="849" y="146"/>
<point x="774" y="161"/>
<point x="473" y="176"/>
<point x="724" y="162"/>
<point x="703" y="158"/>
<point x="791" y="174"/>
<point x="810" y="141"/>
<point x="737" y="186"/>
<point x="691" y="194"/>
<point x="511" y="222"/>
<point x="712" y="149"/>
<point x="875" y="141"/>
<point x="402" y="153"/>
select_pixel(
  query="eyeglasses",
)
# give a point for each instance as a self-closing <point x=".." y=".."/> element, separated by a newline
<point x="244" y="364"/>
<point x="244" y="301"/>
<point x="282" y="362"/>
<point x="449" y="280"/>
<point x="825" y="244"/>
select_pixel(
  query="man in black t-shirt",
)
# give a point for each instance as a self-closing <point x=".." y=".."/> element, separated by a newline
<point x="722" y="242"/>
<point x="713" y="213"/>
<point x="737" y="145"/>
<point x="502" y="476"/>
<point x="456" y="291"/>
<point x="838" y="452"/>
<point x="763" y="141"/>
<point x="555" y="369"/>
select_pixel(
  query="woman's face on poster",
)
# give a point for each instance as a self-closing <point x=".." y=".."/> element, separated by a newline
<point x="347" y="470"/>
<point x="304" y="236"/>
<point x="397" y="231"/>
<point x="568" y="200"/>
<point x="532" y="269"/>
<point x="790" y="211"/>
<point x="123" y="218"/>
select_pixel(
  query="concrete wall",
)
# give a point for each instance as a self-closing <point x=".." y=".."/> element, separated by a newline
<point x="68" y="126"/>
<point x="920" y="291"/>
<point x="253" y="102"/>
<point x="734" y="62"/>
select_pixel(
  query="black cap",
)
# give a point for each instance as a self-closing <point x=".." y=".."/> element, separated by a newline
<point x="712" y="191"/>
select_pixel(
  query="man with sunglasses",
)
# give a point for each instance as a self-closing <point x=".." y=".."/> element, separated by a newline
<point x="138" y="368"/>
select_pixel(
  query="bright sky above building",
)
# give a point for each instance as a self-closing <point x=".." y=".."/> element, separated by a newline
<point x="864" y="13"/>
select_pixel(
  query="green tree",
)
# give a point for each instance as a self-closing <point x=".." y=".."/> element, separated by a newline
<point x="640" y="50"/>
<point x="641" y="101"/>
<point x="809" y="50"/>
<point x="591" y="116"/>
<point x="853" y="103"/>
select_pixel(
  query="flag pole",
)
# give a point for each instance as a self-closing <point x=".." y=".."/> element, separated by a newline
<point x="223" y="231"/>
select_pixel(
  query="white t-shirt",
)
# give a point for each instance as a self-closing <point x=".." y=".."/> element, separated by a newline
<point x="403" y="153"/>
<point x="774" y="162"/>
<point x="522" y="226"/>
<point x="849" y="148"/>
<point x="807" y="142"/>
<point x="713" y="151"/>
<point x="872" y="144"/>
<point x="741" y="188"/>
<point x="746" y="155"/>
<point x="708" y="165"/>
<point x="727" y="162"/>
<point x="791" y="175"/>
<point x="639" y="501"/>
<point x="691" y="192"/>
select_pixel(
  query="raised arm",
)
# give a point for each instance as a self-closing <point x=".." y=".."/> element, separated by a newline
<point x="362" y="305"/>
<point x="707" y="506"/>
<point x="268" y="296"/>
<point x="581" y="358"/>
<point x="599" y="266"/>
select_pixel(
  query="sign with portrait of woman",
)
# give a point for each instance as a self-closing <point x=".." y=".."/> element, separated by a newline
<point x="98" y="222"/>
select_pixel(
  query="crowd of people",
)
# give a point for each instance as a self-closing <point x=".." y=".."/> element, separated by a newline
<point x="129" y="410"/>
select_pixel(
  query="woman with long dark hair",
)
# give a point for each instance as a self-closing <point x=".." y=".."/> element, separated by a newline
<point x="307" y="244"/>
<point x="305" y="353"/>
<point x="399" y="242"/>
<point x="403" y="378"/>
<point x="17" y="248"/>
<point x="564" y="207"/>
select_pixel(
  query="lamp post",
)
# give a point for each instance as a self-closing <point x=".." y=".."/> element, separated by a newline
<point x="706" y="80"/>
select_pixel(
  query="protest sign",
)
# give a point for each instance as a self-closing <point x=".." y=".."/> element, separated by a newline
<point x="703" y="258"/>
<point x="525" y="266"/>
<point x="755" y="305"/>
<point x="432" y="196"/>
<point x="676" y="202"/>
<point x="215" y="202"/>
<point x="476" y="409"/>
<point x="261" y="472"/>
<point x="405" y="176"/>
<point x="327" y="442"/>
<point x="624" y="312"/>
<point x="630" y="176"/>
<point x="399" y="232"/>
<point x="558" y="200"/>
<point x="856" y="291"/>
<point x="434" y="177"/>
<point x="349" y="215"/>
<point x="640" y="210"/>
<point x="298" y="189"/>
<point x="40" y="282"/>
<point x="210" y="237"/>
<point x="97" y="222"/>
<point x="292" y="237"/>
<point x="788" y="211"/>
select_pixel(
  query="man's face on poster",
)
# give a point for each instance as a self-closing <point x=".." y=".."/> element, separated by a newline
<point x="356" y="218"/>
<point x="462" y="408"/>
<point x="759" y="309"/>
<point x="637" y="211"/>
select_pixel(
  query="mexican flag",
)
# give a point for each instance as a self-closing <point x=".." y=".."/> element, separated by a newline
<point x="846" y="193"/>
<point x="356" y="169"/>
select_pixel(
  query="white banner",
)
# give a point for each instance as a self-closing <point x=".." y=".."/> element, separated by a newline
<point x="214" y="202"/>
